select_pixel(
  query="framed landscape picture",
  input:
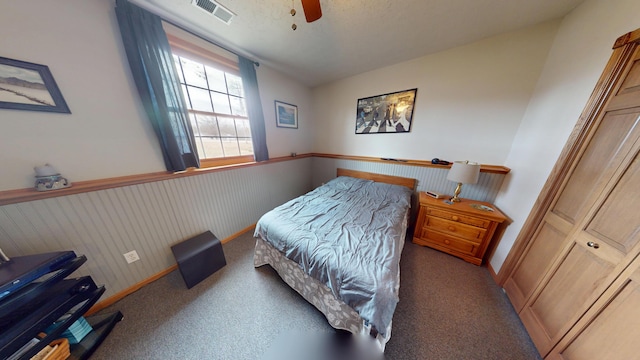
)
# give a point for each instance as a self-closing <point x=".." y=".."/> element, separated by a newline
<point x="387" y="113"/>
<point x="286" y="115"/>
<point x="28" y="86"/>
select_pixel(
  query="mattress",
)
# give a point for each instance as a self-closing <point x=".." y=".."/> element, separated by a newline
<point x="347" y="235"/>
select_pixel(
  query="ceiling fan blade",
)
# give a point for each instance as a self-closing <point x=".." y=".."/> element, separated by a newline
<point x="312" y="11"/>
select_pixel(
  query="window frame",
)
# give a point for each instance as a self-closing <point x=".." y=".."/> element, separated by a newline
<point x="192" y="51"/>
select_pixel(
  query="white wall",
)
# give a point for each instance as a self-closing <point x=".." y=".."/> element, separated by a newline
<point x="104" y="136"/>
<point x="107" y="133"/>
<point x="578" y="56"/>
<point x="469" y="104"/>
<point x="284" y="141"/>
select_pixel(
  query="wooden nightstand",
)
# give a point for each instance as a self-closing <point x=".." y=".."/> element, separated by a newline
<point x="460" y="229"/>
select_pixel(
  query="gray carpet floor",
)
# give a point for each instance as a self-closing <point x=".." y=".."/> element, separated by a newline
<point x="448" y="309"/>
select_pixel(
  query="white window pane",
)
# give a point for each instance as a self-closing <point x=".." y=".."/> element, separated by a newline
<point x="230" y="147"/>
<point x="246" y="146"/>
<point x="237" y="106"/>
<point x="193" y="73"/>
<point x="199" y="99"/>
<point x="220" y="103"/>
<point x="199" y="147"/>
<point x="227" y="127"/>
<point x="243" y="128"/>
<point x="234" y="83"/>
<point x="194" y="124"/>
<point x="212" y="148"/>
<point x="186" y="96"/>
<point x="208" y="125"/>
<point x="216" y="79"/>
<point x="176" y="60"/>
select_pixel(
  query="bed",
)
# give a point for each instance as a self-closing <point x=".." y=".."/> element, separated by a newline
<point x="339" y="246"/>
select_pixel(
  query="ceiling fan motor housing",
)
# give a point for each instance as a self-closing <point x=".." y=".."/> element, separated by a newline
<point x="312" y="10"/>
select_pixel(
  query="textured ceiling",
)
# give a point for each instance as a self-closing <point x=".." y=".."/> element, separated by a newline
<point x="354" y="36"/>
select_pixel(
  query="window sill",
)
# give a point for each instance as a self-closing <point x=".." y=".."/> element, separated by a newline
<point x="234" y="160"/>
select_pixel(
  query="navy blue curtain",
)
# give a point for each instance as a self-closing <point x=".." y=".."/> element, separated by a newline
<point x="154" y="72"/>
<point x="254" y="108"/>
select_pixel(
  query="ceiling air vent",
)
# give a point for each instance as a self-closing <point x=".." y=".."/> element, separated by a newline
<point x="206" y="5"/>
<point x="223" y="14"/>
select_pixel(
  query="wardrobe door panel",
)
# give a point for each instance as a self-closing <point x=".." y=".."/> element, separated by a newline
<point x="625" y="97"/>
<point x="612" y="333"/>
<point x="604" y="146"/>
<point x="525" y="279"/>
<point x="569" y="290"/>
<point x="618" y="219"/>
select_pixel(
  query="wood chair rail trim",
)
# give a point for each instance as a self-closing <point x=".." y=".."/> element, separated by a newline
<point x="30" y="194"/>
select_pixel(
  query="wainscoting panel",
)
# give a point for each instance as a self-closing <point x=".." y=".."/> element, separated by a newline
<point x="324" y="169"/>
<point x="148" y="218"/>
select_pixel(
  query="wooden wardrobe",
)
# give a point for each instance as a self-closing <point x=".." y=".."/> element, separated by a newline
<point x="574" y="273"/>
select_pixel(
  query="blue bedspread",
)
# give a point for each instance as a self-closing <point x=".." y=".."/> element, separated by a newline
<point x="349" y="235"/>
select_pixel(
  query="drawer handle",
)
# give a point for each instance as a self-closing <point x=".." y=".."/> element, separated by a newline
<point x="455" y="218"/>
<point x="593" y="244"/>
<point x="446" y="241"/>
<point x="452" y="228"/>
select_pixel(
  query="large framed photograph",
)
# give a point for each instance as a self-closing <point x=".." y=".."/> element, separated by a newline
<point x="286" y="115"/>
<point x="28" y="86"/>
<point x="387" y="113"/>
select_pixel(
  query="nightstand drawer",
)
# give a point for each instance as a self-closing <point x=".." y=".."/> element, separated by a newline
<point x="451" y="243"/>
<point x="483" y="223"/>
<point x="461" y="230"/>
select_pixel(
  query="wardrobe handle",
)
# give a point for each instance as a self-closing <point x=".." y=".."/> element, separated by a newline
<point x="593" y="244"/>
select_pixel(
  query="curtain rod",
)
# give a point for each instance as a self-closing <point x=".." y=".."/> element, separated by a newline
<point x="205" y="39"/>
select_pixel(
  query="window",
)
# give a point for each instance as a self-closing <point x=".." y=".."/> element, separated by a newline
<point x="215" y="98"/>
<point x="217" y="110"/>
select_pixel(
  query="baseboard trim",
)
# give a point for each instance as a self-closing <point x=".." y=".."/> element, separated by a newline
<point x="493" y="273"/>
<point x="130" y="290"/>
<point x="233" y="236"/>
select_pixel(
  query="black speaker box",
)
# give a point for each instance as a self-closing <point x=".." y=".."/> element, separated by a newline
<point x="199" y="257"/>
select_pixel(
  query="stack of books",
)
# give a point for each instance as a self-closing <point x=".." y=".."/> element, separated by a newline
<point x="76" y="332"/>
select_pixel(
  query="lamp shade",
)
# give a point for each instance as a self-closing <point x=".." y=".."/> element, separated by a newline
<point x="464" y="172"/>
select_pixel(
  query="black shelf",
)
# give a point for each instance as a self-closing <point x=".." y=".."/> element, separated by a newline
<point x="35" y="290"/>
<point x="35" y="295"/>
<point x="22" y="270"/>
<point x="39" y="315"/>
<point x="102" y="326"/>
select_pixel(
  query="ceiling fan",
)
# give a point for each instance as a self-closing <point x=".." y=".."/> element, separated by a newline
<point x="312" y="10"/>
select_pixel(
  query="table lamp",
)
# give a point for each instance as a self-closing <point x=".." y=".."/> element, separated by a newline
<point x="463" y="172"/>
